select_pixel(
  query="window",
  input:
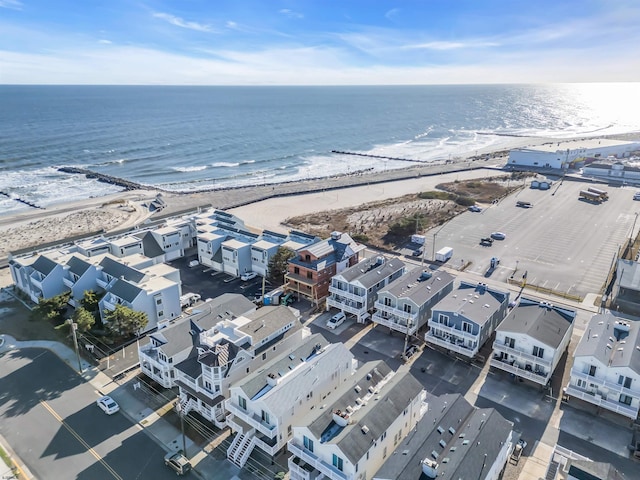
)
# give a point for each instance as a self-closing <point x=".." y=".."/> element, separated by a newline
<point x="264" y="356"/>
<point x="387" y="302"/>
<point x="406" y="308"/>
<point x="265" y="416"/>
<point x="289" y="431"/>
<point x="308" y="443"/>
<point x="466" y="327"/>
<point x="626" y="399"/>
<point x="592" y="371"/>
<point x="242" y="402"/>
<point x="296" y="270"/>
<point x="337" y="462"/>
<point x="159" y="301"/>
<point x="310" y="275"/>
<point x="161" y="313"/>
<point x="624" y="381"/>
<point x="307" y="258"/>
<point x="509" y="342"/>
<point x="538" y="352"/>
<point x="443" y="319"/>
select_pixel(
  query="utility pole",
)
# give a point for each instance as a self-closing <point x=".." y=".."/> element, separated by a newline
<point x="180" y="414"/>
<point x="74" y="327"/>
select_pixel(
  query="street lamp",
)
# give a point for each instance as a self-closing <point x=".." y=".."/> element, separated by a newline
<point x="74" y="327"/>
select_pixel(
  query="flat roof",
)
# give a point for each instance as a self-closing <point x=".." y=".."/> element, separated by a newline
<point x="585" y="143"/>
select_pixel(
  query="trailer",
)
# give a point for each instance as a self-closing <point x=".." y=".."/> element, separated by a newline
<point x="419" y="239"/>
<point x="590" y="196"/>
<point x="444" y="254"/>
<point x="602" y="193"/>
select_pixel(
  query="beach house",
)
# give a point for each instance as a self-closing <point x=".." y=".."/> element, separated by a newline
<point x="160" y="351"/>
<point x="405" y="304"/>
<point x="38" y="276"/>
<point x="264" y="405"/>
<point x="466" y="318"/>
<point x="531" y="339"/>
<point x="309" y="272"/>
<point x="606" y="365"/>
<point x="354" y="290"/>
<point x="228" y="352"/>
<point x="358" y="426"/>
<point x="453" y="440"/>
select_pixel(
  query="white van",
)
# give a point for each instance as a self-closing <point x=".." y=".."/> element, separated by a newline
<point x="336" y="320"/>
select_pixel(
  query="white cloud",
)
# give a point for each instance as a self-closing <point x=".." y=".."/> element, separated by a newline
<point x="105" y="42"/>
<point x="179" y="22"/>
<point x="391" y="14"/>
<point x="444" y="45"/>
<point x="290" y="13"/>
<point x="11" y="4"/>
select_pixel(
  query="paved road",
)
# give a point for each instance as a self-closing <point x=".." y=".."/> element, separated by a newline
<point x="50" y="419"/>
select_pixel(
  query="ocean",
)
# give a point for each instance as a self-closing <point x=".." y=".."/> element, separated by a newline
<point x="194" y="138"/>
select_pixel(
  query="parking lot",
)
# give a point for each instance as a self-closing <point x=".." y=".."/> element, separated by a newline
<point x="561" y="243"/>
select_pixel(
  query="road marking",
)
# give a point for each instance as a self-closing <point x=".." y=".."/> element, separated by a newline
<point x="81" y="440"/>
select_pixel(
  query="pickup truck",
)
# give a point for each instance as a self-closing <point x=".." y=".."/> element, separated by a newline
<point x="486" y="241"/>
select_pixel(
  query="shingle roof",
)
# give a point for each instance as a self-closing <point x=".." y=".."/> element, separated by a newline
<point x="118" y="270"/>
<point x="544" y="322"/>
<point x="476" y="302"/>
<point x="44" y="265"/>
<point x="372" y="270"/>
<point x="78" y="265"/>
<point x="150" y="245"/>
<point x="125" y="290"/>
<point x="613" y="340"/>
<point x="266" y="321"/>
<point x="467" y="433"/>
<point x="419" y="291"/>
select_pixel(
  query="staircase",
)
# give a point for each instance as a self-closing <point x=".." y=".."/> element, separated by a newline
<point x="241" y="447"/>
<point x="552" y="471"/>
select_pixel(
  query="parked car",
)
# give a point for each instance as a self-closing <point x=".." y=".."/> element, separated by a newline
<point x="410" y="351"/>
<point x="636" y="196"/>
<point x="417" y="252"/>
<point x="475" y="208"/>
<point x="486" y="242"/>
<point x="245" y="277"/>
<point x="108" y="405"/>
<point x="498" y="236"/>
<point x="177" y="462"/>
<point x="337" y="320"/>
<point x="194" y="263"/>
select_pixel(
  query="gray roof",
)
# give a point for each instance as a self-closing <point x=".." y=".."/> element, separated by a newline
<point x="177" y="337"/>
<point x="327" y="252"/>
<point x="392" y="399"/>
<point x="629" y="274"/>
<point x="588" y="470"/>
<point x="419" y="291"/>
<point x="542" y="321"/>
<point x="475" y="301"/>
<point x="125" y="290"/>
<point x="474" y="433"/>
<point x="44" y="265"/>
<point x="266" y="321"/>
<point x="150" y="245"/>
<point x="119" y="270"/>
<point x="279" y="366"/>
<point x="372" y="270"/>
<point x="613" y="340"/>
<point x="77" y="265"/>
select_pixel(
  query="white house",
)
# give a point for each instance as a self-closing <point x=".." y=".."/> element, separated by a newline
<point x="264" y="405"/>
<point x="355" y="430"/>
<point x="606" y="365"/>
<point x="465" y="319"/>
<point x="354" y="290"/>
<point x="125" y="246"/>
<point x="231" y="350"/>
<point x="531" y="340"/>
<point x="405" y="304"/>
<point x="561" y="154"/>
<point x="38" y="276"/>
<point x="453" y="440"/>
<point x="160" y="351"/>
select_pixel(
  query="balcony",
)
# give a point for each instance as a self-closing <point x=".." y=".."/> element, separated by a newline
<point x="602" y="383"/>
<point x="303" y="454"/>
<point x="252" y="419"/>
<point x="36" y="282"/>
<point x="345" y="294"/>
<point x="301" y="470"/>
<point x="519" y="354"/>
<point x="395" y="323"/>
<point x="597" y="399"/>
<point x="68" y="282"/>
<point x="454" y="332"/>
<point x="102" y="283"/>
<point x="540" y="378"/>
<point x="346" y="306"/>
<point x="452" y="344"/>
<point x="108" y="305"/>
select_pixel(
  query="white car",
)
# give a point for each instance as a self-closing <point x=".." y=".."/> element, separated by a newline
<point x="336" y="320"/>
<point x="248" y="276"/>
<point x="108" y="405"/>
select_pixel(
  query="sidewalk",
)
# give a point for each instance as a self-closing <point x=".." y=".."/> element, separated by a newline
<point x="149" y="420"/>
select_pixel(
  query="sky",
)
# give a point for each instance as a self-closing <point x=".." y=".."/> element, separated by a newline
<point x="318" y="42"/>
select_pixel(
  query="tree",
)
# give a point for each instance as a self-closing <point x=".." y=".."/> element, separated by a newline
<point x="125" y="322"/>
<point x="54" y="308"/>
<point x="90" y="301"/>
<point x="84" y="319"/>
<point x="278" y="264"/>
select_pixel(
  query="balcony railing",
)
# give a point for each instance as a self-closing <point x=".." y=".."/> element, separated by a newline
<point x="300" y="470"/>
<point x="109" y="305"/>
<point x="454" y="332"/>
<point x="596" y="399"/>
<point x="102" y="283"/>
<point x="345" y="306"/>
<point x="36" y="282"/>
<point x="600" y="382"/>
<point x="68" y="282"/>
<point x="394" y="324"/>
<point x="346" y="294"/>
<point x="540" y="378"/>
<point x="328" y="470"/>
<point x="499" y="347"/>
<point x="252" y="419"/>
<point x="454" y="346"/>
<point x="393" y="311"/>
